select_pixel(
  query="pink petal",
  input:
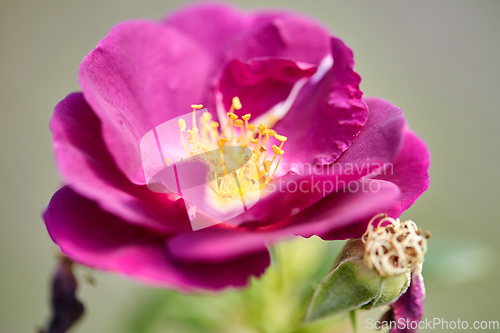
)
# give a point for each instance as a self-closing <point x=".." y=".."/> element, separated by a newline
<point x="226" y="33"/>
<point x="410" y="172"/>
<point x="335" y="211"/>
<point x="141" y="75"/>
<point x="410" y="306"/>
<point x="103" y="241"/>
<point x="211" y="25"/>
<point x="216" y="244"/>
<point x="285" y="35"/>
<point x="260" y="83"/>
<point x="84" y="161"/>
<point x="218" y="27"/>
<point x="287" y="195"/>
<point x="343" y="209"/>
<point x="327" y="115"/>
<point x="380" y="139"/>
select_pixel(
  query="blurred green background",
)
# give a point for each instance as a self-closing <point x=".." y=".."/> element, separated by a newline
<point x="437" y="60"/>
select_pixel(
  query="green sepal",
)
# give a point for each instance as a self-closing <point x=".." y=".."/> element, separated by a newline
<point x="352" y="285"/>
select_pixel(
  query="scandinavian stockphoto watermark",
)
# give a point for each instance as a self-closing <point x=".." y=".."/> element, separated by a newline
<point x="432" y="324"/>
<point x="326" y="179"/>
<point x="223" y="170"/>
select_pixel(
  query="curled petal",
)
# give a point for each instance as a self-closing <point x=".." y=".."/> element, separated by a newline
<point x="406" y="157"/>
<point x="332" y="108"/>
<point x="261" y="83"/>
<point x="380" y="138"/>
<point x="284" y="36"/>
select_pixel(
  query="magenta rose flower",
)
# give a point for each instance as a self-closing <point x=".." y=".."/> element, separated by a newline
<point x="296" y="83"/>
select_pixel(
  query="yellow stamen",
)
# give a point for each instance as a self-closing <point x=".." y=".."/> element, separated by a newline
<point x="205" y="121"/>
<point x="266" y="134"/>
<point x="257" y="142"/>
<point x="232" y="118"/>
<point x="257" y="171"/>
<point x="221" y="143"/>
<point x="195" y="107"/>
<point x="277" y="151"/>
<point x="191" y="136"/>
<point x="277" y="164"/>
<point x="215" y="131"/>
<point x="280" y="137"/>
<point x="182" y="126"/>
<point x="236" y="103"/>
<point x="241" y="139"/>
<point x="246" y="118"/>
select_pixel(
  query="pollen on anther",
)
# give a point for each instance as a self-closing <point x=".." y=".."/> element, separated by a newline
<point x="182" y="125"/>
<point x="197" y="106"/>
<point x="236" y="103"/>
<point x="280" y="137"/>
<point x="267" y="165"/>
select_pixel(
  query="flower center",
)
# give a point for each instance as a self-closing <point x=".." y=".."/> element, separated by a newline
<point x="393" y="247"/>
<point x="227" y="151"/>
